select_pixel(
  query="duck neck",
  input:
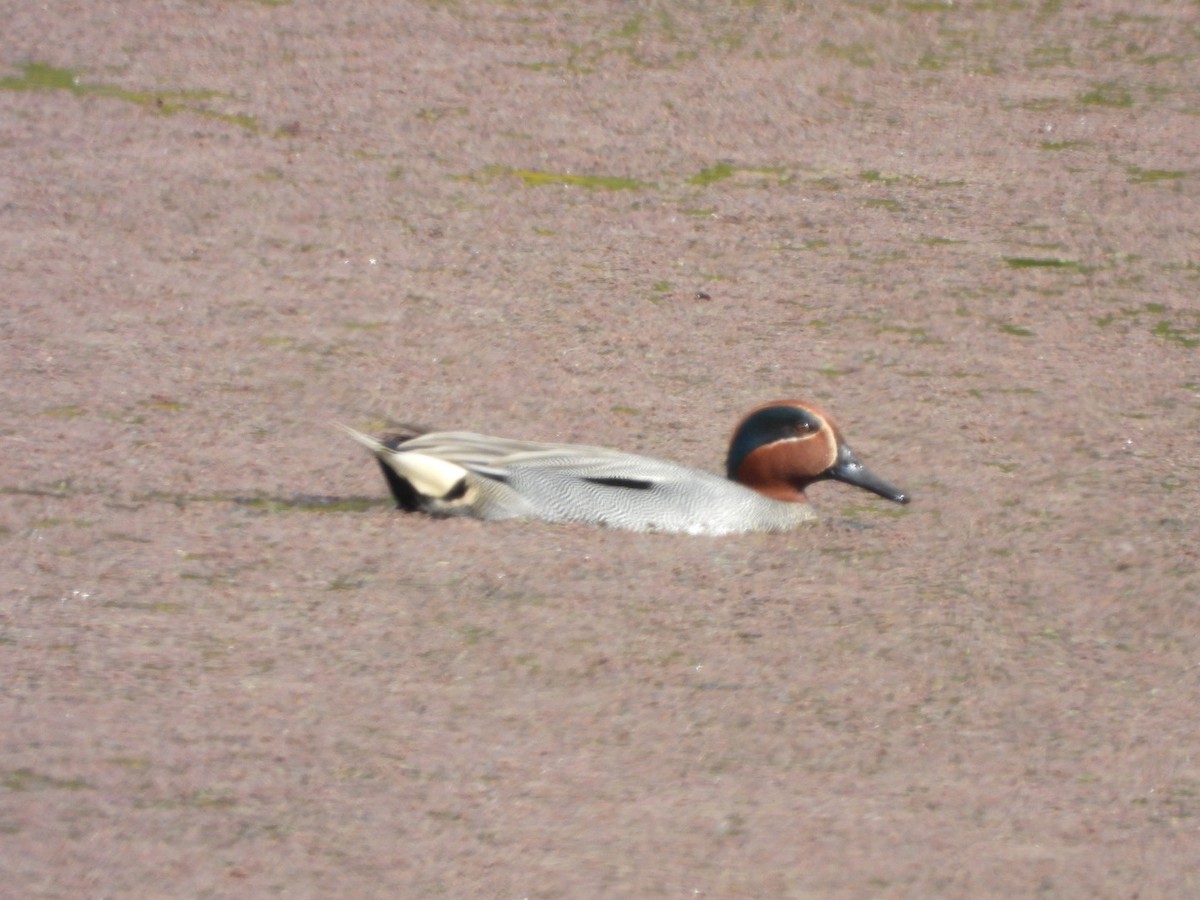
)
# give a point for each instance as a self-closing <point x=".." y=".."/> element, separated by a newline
<point x="771" y="474"/>
<point x="779" y="490"/>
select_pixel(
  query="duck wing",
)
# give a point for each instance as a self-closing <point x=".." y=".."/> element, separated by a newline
<point x="463" y="473"/>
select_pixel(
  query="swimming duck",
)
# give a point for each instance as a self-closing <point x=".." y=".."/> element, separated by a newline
<point x="777" y="450"/>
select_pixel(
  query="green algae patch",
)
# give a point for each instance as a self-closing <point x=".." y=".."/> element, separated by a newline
<point x="1182" y="337"/>
<point x="164" y="404"/>
<point x="1138" y="175"/>
<point x="1014" y="330"/>
<point x="68" y="411"/>
<point x="1107" y="93"/>
<point x="257" y="502"/>
<point x="29" y="780"/>
<point x="593" y="182"/>
<point x="713" y="174"/>
<point x="306" y="503"/>
<point x="874" y="176"/>
<point x="36" y="76"/>
<point x="1055" y="146"/>
<point x="1040" y="262"/>
<point x="723" y="170"/>
<point x="1181" y="327"/>
<point x="928" y="6"/>
<point x="537" y="178"/>
<point x="41" y="77"/>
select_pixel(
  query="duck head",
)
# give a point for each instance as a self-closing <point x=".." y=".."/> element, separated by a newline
<point x="782" y="447"/>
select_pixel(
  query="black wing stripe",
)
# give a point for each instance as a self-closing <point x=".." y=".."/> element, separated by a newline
<point x="634" y="484"/>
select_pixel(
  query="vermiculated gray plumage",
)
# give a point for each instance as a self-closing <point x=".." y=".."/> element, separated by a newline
<point x="508" y="479"/>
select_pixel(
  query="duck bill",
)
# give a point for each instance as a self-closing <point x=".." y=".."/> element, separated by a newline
<point x="851" y="471"/>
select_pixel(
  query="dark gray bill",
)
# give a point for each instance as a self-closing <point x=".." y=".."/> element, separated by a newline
<point x="850" y="470"/>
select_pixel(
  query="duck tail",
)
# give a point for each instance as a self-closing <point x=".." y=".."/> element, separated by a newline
<point x="376" y="447"/>
<point x="413" y="478"/>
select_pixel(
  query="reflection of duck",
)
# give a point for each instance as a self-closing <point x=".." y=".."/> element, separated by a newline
<point x="776" y="452"/>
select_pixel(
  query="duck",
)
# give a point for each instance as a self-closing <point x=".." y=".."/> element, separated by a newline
<point x="777" y="450"/>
